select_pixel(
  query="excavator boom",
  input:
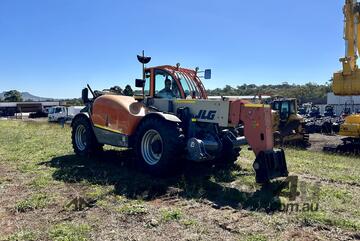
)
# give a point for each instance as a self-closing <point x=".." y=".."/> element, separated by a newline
<point x="347" y="81"/>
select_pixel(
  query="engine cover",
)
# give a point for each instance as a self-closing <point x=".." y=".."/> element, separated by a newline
<point x="120" y="114"/>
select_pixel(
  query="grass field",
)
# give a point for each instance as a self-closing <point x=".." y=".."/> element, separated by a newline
<point x="48" y="193"/>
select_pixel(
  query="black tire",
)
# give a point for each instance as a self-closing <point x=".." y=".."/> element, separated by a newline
<point x="229" y="155"/>
<point x="158" y="146"/>
<point x="83" y="138"/>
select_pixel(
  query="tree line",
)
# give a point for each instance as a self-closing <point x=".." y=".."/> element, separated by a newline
<point x="12" y="96"/>
<point x="309" y="92"/>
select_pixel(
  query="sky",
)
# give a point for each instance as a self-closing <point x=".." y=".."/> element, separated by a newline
<point x="53" y="48"/>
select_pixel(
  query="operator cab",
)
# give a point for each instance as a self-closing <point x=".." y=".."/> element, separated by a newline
<point x="169" y="82"/>
<point x="286" y="108"/>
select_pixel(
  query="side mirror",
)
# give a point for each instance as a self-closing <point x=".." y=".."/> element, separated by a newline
<point x="85" y="95"/>
<point x="207" y="74"/>
<point x="140" y="83"/>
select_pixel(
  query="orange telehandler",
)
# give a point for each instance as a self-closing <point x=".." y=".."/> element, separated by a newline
<point x="172" y="120"/>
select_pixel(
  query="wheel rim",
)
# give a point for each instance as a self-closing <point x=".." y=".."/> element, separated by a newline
<point x="80" y="137"/>
<point x="151" y="147"/>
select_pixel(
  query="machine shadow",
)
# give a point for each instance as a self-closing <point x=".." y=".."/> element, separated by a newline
<point x="195" y="181"/>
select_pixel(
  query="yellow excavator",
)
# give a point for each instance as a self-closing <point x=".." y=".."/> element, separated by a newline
<point x="347" y="81"/>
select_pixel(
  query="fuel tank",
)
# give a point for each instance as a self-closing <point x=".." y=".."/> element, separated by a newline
<point x="117" y="113"/>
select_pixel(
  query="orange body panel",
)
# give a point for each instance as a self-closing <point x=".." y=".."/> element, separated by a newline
<point x="117" y="113"/>
<point x="257" y="120"/>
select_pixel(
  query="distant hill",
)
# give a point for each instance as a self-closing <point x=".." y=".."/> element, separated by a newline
<point x="26" y="96"/>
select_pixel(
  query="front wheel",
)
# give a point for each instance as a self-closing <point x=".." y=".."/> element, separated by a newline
<point x="83" y="138"/>
<point x="228" y="155"/>
<point x="158" y="146"/>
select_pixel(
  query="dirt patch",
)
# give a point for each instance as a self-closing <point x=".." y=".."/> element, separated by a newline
<point x="319" y="141"/>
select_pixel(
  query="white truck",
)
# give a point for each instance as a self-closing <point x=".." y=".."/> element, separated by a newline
<point x="63" y="113"/>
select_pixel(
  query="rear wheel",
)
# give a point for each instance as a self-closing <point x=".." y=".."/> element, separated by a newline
<point x="158" y="146"/>
<point x="83" y="138"/>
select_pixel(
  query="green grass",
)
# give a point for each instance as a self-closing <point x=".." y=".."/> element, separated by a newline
<point x="329" y="220"/>
<point x="171" y="215"/>
<point x="322" y="165"/>
<point x="22" y="235"/>
<point x="70" y="232"/>
<point x="97" y="192"/>
<point x="135" y="207"/>
<point x="42" y="180"/>
<point x="189" y="222"/>
<point x="35" y="201"/>
<point x="23" y="143"/>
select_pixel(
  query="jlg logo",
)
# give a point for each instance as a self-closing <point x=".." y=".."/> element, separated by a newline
<point x="205" y="115"/>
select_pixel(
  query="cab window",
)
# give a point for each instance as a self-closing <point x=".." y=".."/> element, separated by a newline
<point x="184" y="84"/>
<point x="292" y="108"/>
<point x="276" y="106"/>
<point x="165" y="86"/>
<point x="284" y="113"/>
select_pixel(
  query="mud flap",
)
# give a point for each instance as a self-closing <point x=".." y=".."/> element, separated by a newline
<point x="269" y="165"/>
